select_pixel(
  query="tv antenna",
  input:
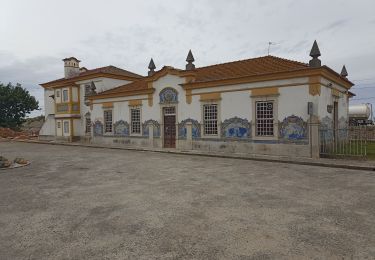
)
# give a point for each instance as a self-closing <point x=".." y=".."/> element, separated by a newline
<point x="269" y="46"/>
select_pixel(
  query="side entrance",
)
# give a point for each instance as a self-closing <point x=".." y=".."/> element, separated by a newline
<point x="169" y="114"/>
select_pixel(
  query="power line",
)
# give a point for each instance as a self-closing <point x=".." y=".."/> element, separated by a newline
<point x="363" y="98"/>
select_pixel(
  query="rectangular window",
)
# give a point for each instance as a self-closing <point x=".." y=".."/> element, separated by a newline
<point x="135" y="119"/>
<point x="264" y="118"/>
<point x="108" y="121"/>
<point x="210" y="119"/>
<point x="58" y="124"/>
<point x="66" y="127"/>
<point x="57" y="93"/>
<point x="65" y="95"/>
<point x="88" y="125"/>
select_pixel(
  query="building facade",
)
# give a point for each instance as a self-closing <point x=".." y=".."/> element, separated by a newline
<point x="266" y="105"/>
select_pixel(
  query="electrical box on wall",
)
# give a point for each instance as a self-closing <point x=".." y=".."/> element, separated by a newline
<point x="310" y="108"/>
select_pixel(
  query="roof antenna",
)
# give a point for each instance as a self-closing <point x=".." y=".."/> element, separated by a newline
<point x="269" y="46"/>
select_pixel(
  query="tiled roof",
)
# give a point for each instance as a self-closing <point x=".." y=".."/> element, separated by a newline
<point x="249" y="67"/>
<point x="133" y="86"/>
<point x="108" y="70"/>
<point x="235" y="69"/>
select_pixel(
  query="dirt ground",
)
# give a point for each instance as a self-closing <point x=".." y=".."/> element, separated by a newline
<point x="90" y="203"/>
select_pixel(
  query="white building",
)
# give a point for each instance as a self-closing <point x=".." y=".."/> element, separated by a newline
<point x="265" y="105"/>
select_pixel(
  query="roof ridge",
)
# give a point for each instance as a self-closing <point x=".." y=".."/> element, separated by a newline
<point x="250" y="59"/>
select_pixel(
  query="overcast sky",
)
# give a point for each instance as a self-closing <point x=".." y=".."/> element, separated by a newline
<point x="36" y="35"/>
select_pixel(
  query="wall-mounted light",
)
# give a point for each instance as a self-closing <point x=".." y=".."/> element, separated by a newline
<point x="52" y="96"/>
<point x="329" y="108"/>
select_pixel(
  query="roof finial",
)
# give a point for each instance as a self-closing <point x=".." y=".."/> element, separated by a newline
<point x="344" y="72"/>
<point x="315" y="53"/>
<point x="151" y="67"/>
<point x="190" y="60"/>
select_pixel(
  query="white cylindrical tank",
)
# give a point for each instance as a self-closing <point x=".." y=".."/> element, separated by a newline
<point x="361" y="111"/>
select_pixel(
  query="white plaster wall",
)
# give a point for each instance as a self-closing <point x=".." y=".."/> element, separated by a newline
<point x="48" y="127"/>
<point x="49" y="103"/>
<point x="78" y="127"/>
<point x="97" y="113"/>
<point x="293" y="101"/>
<point x="164" y="82"/>
<point x="323" y="100"/>
<point x="121" y="111"/>
<point x="247" y="86"/>
<point x="195" y="109"/>
<point x="236" y="104"/>
<point x="102" y="84"/>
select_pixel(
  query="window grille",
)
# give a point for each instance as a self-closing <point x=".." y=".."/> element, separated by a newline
<point x="88" y="125"/>
<point x="66" y="127"/>
<point x="135" y="120"/>
<point x="210" y="119"/>
<point x="108" y="121"/>
<point x="264" y="118"/>
<point x="169" y="111"/>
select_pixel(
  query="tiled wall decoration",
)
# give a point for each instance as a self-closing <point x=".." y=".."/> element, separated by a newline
<point x="121" y="128"/>
<point x="236" y="127"/>
<point x="196" y="129"/>
<point x="98" y="128"/>
<point x="293" y="128"/>
<point x="145" y="127"/>
<point x="168" y="95"/>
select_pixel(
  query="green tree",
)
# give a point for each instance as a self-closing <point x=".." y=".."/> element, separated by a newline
<point x="15" y="103"/>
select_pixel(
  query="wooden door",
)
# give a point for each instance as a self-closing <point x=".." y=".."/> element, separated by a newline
<point x="169" y="129"/>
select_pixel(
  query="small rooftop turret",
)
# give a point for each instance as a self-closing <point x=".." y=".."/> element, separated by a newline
<point x="151" y="67"/>
<point x="344" y="73"/>
<point x="190" y="60"/>
<point x="71" y="67"/>
<point x="315" y="62"/>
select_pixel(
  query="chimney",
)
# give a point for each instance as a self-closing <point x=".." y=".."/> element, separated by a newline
<point x="190" y="60"/>
<point x="151" y="67"/>
<point x="315" y="53"/>
<point x="71" y="67"/>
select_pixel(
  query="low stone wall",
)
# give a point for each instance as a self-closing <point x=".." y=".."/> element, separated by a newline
<point x="232" y="146"/>
<point x="127" y="141"/>
<point x="264" y="148"/>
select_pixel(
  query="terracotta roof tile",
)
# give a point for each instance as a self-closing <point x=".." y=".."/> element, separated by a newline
<point x="249" y="67"/>
<point x="133" y="86"/>
<point x="108" y="70"/>
<point x="235" y="69"/>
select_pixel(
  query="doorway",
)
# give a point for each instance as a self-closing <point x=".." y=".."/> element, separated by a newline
<point x="169" y="116"/>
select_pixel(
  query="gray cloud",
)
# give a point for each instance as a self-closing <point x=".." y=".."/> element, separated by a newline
<point x="334" y="26"/>
<point x="127" y="35"/>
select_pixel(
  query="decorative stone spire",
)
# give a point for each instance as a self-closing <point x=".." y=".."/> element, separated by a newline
<point x="344" y="73"/>
<point x="92" y="88"/>
<point x="151" y="67"/>
<point x="315" y="53"/>
<point x="190" y="60"/>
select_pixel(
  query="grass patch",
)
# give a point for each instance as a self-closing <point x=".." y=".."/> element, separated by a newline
<point x="370" y="150"/>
